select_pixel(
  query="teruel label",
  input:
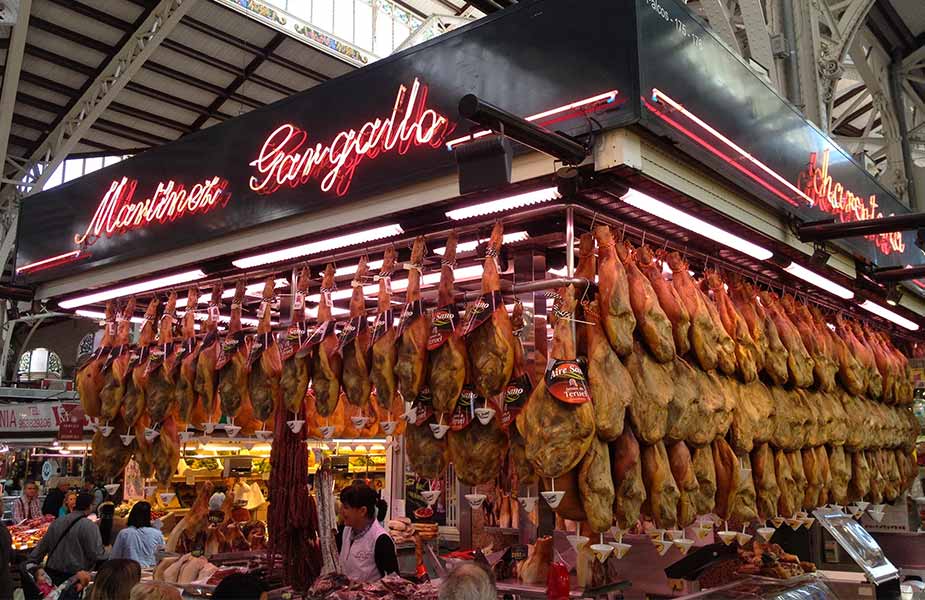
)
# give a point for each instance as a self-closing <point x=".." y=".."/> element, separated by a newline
<point x="515" y="398"/>
<point x="566" y="381"/>
<point x="425" y="406"/>
<point x="465" y="408"/>
<point x="442" y="325"/>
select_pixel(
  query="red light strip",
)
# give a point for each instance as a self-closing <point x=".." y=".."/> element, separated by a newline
<point x="47" y="263"/>
<point x="659" y="96"/>
<point x="605" y="98"/>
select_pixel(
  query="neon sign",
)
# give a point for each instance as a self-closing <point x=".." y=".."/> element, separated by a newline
<point x="832" y="197"/>
<point x="287" y="157"/>
<point x="118" y="214"/>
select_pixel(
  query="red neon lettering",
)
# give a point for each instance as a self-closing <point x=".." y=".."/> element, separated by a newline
<point x="832" y="197"/>
<point x="117" y="214"/>
<point x="287" y="158"/>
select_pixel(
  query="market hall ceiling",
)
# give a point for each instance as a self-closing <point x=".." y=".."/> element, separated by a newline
<point x="216" y="64"/>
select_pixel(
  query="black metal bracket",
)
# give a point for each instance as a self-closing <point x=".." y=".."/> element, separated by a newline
<point x="888" y="275"/>
<point x="818" y="231"/>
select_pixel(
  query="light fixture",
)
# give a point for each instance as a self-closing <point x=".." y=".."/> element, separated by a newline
<point x="135" y="288"/>
<point x="351" y="269"/>
<point x="691" y="223"/>
<point x="471" y="246"/>
<point x="819" y="281"/>
<point x="92" y="314"/>
<point x="503" y="204"/>
<point x="342" y="241"/>
<point x="889" y="315"/>
<point x="462" y="274"/>
<point x="47" y="263"/>
<point x="254" y="289"/>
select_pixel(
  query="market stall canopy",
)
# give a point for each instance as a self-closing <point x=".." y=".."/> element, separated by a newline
<point x="390" y="124"/>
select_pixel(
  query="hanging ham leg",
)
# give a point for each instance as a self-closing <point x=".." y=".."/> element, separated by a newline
<point x="136" y="409"/>
<point x="161" y="390"/>
<point x="191" y="410"/>
<point x="115" y="370"/>
<point x="765" y="477"/>
<point x="110" y="455"/>
<point x="491" y="344"/>
<point x="705" y="471"/>
<point x="90" y="379"/>
<point x="411" y="368"/>
<point x="746" y="351"/>
<point x="384" y="344"/>
<point x="651" y="322"/>
<point x="166" y="450"/>
<point x="662" y="493"/>
<point x="703" y="335"/>
<point x="265" y="364"/>
<point x="617" y="315"/>
<point x="682" y="469"/>
<point x="630" y="491"/>
<point x="612" y="387"/>
<point x="668" y="299"/>
<point x="356" y="381"/>
<point x="327" y="363"/>
<point x="232" y="376"/>
<point x="448" y="362"/>
<point x="799" y="362"/>
<point x="743" y="298"/>
<point x="206" y="382"/>
<point x="297" y="369"/>
<point x="726" y="360"/>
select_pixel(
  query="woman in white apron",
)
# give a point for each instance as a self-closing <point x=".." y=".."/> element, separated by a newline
<point x="367" y="553"/>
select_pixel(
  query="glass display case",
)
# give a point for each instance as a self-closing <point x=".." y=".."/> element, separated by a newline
<point x="858" y="543"/>
<point x="806" y="587"/>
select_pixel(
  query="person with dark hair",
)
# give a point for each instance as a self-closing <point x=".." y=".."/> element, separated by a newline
<point x="115" y="580"/>
<point x="240" y="586"/>
<point x="367" y="553"/>
<point x="6" y="556"/>
<point x="71" y="544"/>
<point x="140" y="539"/>
<point x="382" y="510"/>
<point x="55" y="497"/>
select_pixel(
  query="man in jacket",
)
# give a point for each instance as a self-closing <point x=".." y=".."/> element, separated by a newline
<point x="55" y="497"/>
<point x="72" y="544"/>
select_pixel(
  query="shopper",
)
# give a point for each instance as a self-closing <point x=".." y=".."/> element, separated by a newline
<point x="155" y="590"/>
<point x="139" y="540"/>
<point x="70" y="502"/>
<point x="6" y="555"/>
<point x="55" y="497"/>
<point x="468" y="581"/>
<point x="240" y="586"/>
<point x="115" y="580"/>
<point x="71" y="544"/>
<point x="27" y="505"/>
<point x="367" y="553"/>
<point x="69" y="590"/>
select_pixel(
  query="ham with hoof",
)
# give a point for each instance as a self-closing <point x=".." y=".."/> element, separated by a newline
<point x="558" y="433"/>
<point x="355" y="345"/>
<point x="327" y="363"/>
<point x="772" y="353"/>
<point x="448" y="360"/>
<point x="744" y="300"/>
<point x="703" y="335"/>
<point x="682" y="469"/>
<point x="595" y="484"/>
<point x="612" y="387"/>
<point x="746" y="350"/>
<point x="726" y="361"/>
<point x="765" y="477"/>
<point x="384" y="342"/>
<point x="651" y="322"/>
<point x="296" y="372"/>
<point x="135" y="402"/>
<point x="816" y="342"/>
<point x="648" y="410"/>
<point x="191" y="409"/>
<point x="232" y="376"/>
<point x="705" y="471"/>
<point x="799" y="362"/>
<point x="116" y="368"/>
<point x="491" y="343"/>
<point x="662" y="493"/>
<point x="735" y="490"/>
<point x="206" y="382"/>
<point x="629" y="488"/>
<point x="161" y="389"/>
<point x="411" y="368"/>
<point x="89" y="377"/>
<point x="265" y="365"/>
<point x="668" y="299"/>
<point x="617" y="316"/>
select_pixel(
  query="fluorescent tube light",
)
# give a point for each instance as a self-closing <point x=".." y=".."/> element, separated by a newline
<point x="254" y="289"/>
<point x="463" y="274"/>
<point x="470" y="246"/>
<point x="819" y="281"/>
<point x="98" y="316"/>
<point x="135" y="288"/>
<point x="889" y="315"/>
<point x="691" y="223"/>
<point x="503" y="204"/>
<point x="342" y="241"/>
<point x="351" y="269"/>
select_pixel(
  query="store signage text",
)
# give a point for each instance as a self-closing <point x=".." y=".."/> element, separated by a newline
<point x="287" y="157"/>
<point x="37" y="416"/>
<point x="119" y="213"/>
<point x="832" y="197"/>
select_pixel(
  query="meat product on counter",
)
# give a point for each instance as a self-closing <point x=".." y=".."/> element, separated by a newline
<point x="265" y="365"/>
<point x="190" y="530"/>
<point x="334" y="586"/>
<point x="726" y="361"/>
<point x="668" y="299"/>
<point x="89" y="378"/>
<point x="428" y="455"/>
<point x="355" y="344"/>
<point x="612" y="388"/>
<point x="595" y="483"/>
<point x="384" y="342"/>
<point x="651" y="322"/>
<point x="206" y="383"/>
<point x="746" y="350"/>
<point x="449" y="362"/>
<point x="662" y="493"/>
<point x="629" y="487"/>
<point x="414" y="329"/>
<point x="491" y="343"/>
<point x="535" y="568"/>
<point x="648" y="410"/>
<point x="799" y="362"/>
<point x="705" y="471"/>
<point x="558" y="433"/>
<point x="161" y="389"/>
<point x="617" y="315"/>
<point x="232" y="376"/>
<point x="190" y="409"/>
<point x="767" y="491"/>
<point x="704" y="339"/>
<point x="682" y="469"/>
<point x="134" y="400"/>
<point x="116" y="368"/>
<point x="327" y="363"/>
<point x="110" y="455"/>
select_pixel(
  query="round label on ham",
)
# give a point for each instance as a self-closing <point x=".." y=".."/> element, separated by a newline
<point x="566" y="381"/>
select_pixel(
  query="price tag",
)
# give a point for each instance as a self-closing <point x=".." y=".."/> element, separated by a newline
<point x="519" y="552"/>
<point x="213" y="312"/>
<point x="566" y="381"/>
<point x="298" y="301"/>
<point x="190" y="477"/>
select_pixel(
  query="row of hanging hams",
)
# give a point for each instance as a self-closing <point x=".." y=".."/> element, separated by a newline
<point x="711" y="397"/>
